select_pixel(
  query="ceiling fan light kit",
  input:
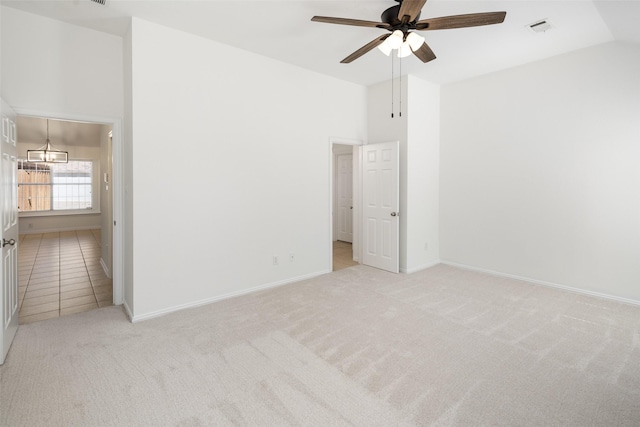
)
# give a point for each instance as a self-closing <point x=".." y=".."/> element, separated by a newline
<point x="415" y="41"/>
<point x="385" y="48"/>
<point x="402" y="20"/>
<point x="404" y="50"/>
<point x="395" y="40"/>
<point x="405" y="45"/>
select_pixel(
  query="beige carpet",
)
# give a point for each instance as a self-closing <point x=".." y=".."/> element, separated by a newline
<point x="442" y="347"/>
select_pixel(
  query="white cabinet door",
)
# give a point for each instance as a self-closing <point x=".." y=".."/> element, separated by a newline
<point x="380" y="192"/>
<point x="345" y="197"/>
<point x="9" y="230"/>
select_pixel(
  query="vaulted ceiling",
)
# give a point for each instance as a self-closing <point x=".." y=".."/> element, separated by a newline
<point x="283" y="30"/>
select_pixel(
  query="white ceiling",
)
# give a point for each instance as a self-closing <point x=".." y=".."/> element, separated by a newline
<point x="61" y="132"/>
<point x="283" y="30"/>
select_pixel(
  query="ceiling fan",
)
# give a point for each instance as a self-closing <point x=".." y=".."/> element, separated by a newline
<point x="401" y="19"/>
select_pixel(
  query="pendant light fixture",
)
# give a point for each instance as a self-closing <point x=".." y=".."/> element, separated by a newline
<point x="46" y="153"/>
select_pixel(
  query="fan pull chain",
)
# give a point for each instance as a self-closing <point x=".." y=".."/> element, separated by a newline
<point x="400" y="87"/>
<point x="392" y="85"/>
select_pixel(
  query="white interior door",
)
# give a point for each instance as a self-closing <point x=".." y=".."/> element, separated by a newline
<point x="345" y="197"/>
<point x="380" y="201"/>
<point x="9" y="230"/>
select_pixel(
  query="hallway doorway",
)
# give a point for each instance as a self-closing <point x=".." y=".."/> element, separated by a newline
<point x="69" y="260"/>
<point x="344" y="200"/>
<point x="342" y="255"/>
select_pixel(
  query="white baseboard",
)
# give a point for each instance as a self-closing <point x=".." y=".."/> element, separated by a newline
<point x="128" y="311"/>
<point x="105" y="268"/>
<point x="206" y="301"/>
<point x="420" y="267"/>
<point x="547" y="284"/>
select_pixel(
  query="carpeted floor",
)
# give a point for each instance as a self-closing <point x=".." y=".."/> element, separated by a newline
<point x="442" y="347"/>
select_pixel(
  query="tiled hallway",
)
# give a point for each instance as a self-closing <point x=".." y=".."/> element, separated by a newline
<point x="60" y="274"/>
<point x="342" y="255"/>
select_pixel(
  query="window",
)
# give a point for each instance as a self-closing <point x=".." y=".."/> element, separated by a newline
<point x="46" y="187"/>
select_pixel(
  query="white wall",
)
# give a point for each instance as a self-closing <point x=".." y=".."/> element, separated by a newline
<point x="423" y="173"/>
<point x="54" y="67"/>
<point x="230" y="167"/>
<point x="127" y="170"/>
<point x="77" y="152"/>
<point x="418" y="131"/>
<point x="539" y="171"/>
<point x="1" y="49"/>
<point x="55" y="223"/>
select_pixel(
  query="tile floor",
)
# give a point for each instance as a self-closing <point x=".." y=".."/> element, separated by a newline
<point x="60" y="274"/>
<point x="342" y="255"/>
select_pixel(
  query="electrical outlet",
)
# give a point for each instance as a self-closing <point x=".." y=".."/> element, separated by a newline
<point x="275" y="260"/>
<point x="292" y="257"/>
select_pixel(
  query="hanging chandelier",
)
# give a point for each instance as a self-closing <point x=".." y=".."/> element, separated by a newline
<point x="46" y="153"/>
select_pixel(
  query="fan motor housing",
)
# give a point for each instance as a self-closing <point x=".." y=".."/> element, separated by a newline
<point x="390" y="16"/>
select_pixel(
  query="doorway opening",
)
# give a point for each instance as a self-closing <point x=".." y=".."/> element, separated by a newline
<point x="344" y="198"/>
<point x="342" y="255"/>
<point x="67" y="216"/>
<point x="375" y="213"/>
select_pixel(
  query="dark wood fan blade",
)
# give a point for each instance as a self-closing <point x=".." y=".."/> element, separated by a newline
<point x="348" y="21"/>
<point x="410" y="8"/>
<point x="461" y="21"/>
<point x="364" y="49"/>
<point x="425" y="54"/>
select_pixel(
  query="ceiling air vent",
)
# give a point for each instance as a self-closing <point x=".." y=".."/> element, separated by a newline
<point x="102" y="2"/>
<point x="540" y="26"/>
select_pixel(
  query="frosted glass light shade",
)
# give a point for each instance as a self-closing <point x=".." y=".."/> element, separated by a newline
<point x="404" y="50"/>
<point x="395" y="39"/>
<point x="384" y="48"/>
<point x="415" y="41"/>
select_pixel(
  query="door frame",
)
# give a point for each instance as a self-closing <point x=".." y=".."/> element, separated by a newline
<point x="117" y="182"/>
<point x="356" y="244"/>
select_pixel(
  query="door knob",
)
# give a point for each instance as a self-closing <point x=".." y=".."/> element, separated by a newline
<point x="395" y="214"/>
<point x="6" y="242"/>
